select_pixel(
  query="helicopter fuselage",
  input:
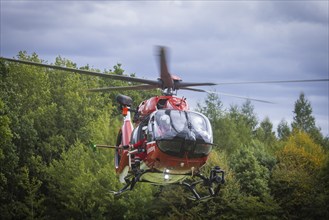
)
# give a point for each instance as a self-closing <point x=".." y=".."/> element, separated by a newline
<point x="178" y="140"/>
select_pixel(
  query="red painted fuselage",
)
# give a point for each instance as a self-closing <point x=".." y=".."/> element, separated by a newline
<point x="182" y="150"/>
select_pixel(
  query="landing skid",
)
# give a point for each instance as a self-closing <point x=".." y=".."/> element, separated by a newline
<point x="212" y="183"/>
<point x="131" y="181"/>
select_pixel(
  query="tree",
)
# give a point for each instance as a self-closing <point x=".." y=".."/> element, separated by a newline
<point x="22" y="91"/>
<point x="247" y="110"/>
<point x="212" y="107"/>
<point x="283" y="130"/>
<point x="77" y="183"/>
<point x="324" y="178"/>
<point x="42" y="113"/>
<point x="80" y="186"/>
<point x="265" y="134"/>
<point x="253" y="176"/>
<point x="31" y="205"/>
<point x="47" y="119"/>
<point x="303" y="118"/>
<point x="8" y="165"/>
<point x="246" y="194"/>
<point x="305" y="121"/>
<point x="296" y="182"/>
<point x="242" y="123"/>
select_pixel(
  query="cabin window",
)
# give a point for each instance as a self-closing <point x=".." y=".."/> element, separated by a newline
<point x="150" y="129"/>
<point x="137" y="133"/>
<point x="134" y="136"/>
<point x="172" y="147"/>
<point x="202" y="149"/>
<point x="188" y="125"/>
<point x="182" y="132"/>
<point x="181" y="148"/>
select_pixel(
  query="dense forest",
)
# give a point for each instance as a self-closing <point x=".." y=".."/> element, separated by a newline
<point x="48" y="170"/>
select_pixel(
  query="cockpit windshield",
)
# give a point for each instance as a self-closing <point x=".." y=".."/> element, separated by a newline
<point x="187" y="125"/>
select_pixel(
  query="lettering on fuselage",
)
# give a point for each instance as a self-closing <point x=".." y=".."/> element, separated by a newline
<point x="152" y="148"/>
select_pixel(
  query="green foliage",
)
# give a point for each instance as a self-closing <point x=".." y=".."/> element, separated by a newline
<point x="244" y="121"/>
<point x="8" y="164"/>
<point x="324" y="195"/>
<point x="253" y="177"/>
<point x="249" y="115"/>
<point x="80" y="186"/>
<point x="283" y="130"/>
<point x="234" y="202"/>
<point x="231" y="128"/>
<point x="295" y="179"/>
<point x="47" y="170"/>
<point x="31" y="206"/>
<point x="305" y="121"/>
<point x="78" y="183"/>
<point x="265" y="136"/>
<point x="212" y="107"/>
<point x="265" y="132"/>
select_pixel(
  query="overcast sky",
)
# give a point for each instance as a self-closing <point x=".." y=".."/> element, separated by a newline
<point x="211" y="41"/>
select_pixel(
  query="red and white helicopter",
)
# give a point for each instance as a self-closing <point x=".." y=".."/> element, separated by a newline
<point x="169" y="142"/>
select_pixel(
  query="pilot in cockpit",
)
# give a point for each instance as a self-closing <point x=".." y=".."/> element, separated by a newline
<point x="164" y="126"/>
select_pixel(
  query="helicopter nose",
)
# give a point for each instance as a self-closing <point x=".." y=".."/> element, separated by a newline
<point x="190" y="136"/>
<point x="190" y="141"/>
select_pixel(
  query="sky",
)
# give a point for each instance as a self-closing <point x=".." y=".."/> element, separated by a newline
<point x="208" y="41"/>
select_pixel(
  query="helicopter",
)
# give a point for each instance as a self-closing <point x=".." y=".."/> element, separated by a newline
<point x="165" y="142"/>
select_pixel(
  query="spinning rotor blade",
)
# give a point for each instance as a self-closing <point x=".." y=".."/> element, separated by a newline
<point x="164" y="73"/>
<point x="170" y="81"/>
<point x="87" y="72"/>
<point x="274" y="81"/>
<point x="166" y="81"/>
<point x="124" y="88"/>
<point x="226" y="94"/>
<point x="182" y="85"/>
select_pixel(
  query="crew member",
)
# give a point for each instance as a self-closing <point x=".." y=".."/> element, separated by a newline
<point x="141" y="145"/>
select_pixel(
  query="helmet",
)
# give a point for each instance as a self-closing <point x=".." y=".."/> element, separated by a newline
<point x="165" y="119"/>
<point x="165" y="123"/>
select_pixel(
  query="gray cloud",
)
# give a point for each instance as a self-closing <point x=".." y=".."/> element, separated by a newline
<point x="215" y="41"/>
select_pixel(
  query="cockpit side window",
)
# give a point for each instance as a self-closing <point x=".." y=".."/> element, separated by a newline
<point x="137" y="133"/>
<point x="162" y="123"/>
<point x="201" y="125"/>
<point x="150" y="129"/>
<point x="179" y="120"/>
<point x="134" y="136"/>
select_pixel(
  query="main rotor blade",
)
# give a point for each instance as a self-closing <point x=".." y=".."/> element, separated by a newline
<point x="124" y="88"/>
<point x="274" y="81"/>
<point x="86" y="72"/>
<point x="181" y="85"/>
<point x="227" y="94"/>
<point x="164" y="73"/>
